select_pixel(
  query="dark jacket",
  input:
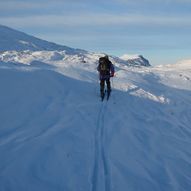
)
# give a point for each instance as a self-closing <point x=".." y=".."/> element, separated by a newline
<point x="109" y="72"/>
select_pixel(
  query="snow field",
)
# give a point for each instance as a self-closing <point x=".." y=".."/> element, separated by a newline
<point x="55" y="134"/>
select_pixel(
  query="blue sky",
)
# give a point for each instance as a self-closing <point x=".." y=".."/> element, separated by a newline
<point x="158" y="29"/>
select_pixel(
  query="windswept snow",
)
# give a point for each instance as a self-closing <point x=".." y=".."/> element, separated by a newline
<point x="56" y="134"/>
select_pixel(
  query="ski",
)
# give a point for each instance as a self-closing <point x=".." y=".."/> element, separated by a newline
<point x="102" y="96"/>
<point x="108" y="95"/>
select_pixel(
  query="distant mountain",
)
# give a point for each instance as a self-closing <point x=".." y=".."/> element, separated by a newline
<point x="11" y="39"/>
<point x="12" y="42"/>
<point x="135" y="59"/>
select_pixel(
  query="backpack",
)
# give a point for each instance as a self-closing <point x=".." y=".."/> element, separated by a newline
<point x="104" y="66"/>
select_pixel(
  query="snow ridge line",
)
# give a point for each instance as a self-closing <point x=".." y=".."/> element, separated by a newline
<point x="100" y="154"/>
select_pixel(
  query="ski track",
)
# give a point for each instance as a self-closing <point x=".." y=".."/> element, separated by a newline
<point x="101" y="158"/>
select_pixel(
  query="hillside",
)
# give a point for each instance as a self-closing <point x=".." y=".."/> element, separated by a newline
<point x="56" y="134"/>
<point x="11" y="39"/>
<point x="15" y="45"/>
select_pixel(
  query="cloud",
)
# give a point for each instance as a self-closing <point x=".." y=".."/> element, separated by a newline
<point x="24" y="5"/>
<point x="90" y="19"/>
<point x="7" y="6"/>
<point x="152" y="1"/>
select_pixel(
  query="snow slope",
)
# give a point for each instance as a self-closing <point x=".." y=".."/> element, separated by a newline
<point x="16" y="46"/>
<point x="11" y="39"/>
<point x="55" y="134"/>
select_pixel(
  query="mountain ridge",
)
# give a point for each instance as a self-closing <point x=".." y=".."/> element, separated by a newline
<point x="13" y="40"/>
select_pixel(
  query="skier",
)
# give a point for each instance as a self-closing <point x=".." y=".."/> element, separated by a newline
<point x="106" y="70"/>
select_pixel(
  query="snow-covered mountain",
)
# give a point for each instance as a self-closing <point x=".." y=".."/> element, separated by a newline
<point x="135" y="59"/>
<point x="11" y="39"/>
<point x="18" y="44"/>
<point x="55" y="134"/>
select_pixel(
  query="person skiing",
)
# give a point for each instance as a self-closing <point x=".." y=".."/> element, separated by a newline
<point x="106" y="70"/>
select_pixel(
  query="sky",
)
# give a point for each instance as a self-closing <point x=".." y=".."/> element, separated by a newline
<point x="157" y="29"/>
